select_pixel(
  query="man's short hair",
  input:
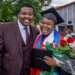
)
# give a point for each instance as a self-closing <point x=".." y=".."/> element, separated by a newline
<point x="25" y="5"/>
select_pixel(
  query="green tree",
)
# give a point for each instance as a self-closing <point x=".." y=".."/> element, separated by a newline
<point x="9" y="8"/>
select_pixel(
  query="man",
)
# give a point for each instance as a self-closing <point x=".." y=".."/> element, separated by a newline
<point x="16" y="43"/>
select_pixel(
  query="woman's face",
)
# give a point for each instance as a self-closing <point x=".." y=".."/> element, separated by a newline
<point x="47" y="26"/>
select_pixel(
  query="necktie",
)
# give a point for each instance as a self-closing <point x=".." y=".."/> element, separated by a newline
<point x="27" y="34"/>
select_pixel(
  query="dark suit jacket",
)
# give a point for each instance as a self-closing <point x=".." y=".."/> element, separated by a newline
<point x="11" y="48"/>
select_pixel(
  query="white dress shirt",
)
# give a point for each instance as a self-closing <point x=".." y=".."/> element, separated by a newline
<point x="22" y="31"/>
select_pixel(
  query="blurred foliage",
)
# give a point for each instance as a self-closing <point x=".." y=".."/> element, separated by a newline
<point x="9" y="8"/>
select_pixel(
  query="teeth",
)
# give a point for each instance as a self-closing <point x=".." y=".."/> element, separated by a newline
<point x="26" y="20"/>
<point x="44" y="29"/>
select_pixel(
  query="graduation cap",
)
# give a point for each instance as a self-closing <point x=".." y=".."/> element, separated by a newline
<point x="53" y="16"/>
<point x="70" y="27"/>
<point x="62" y="27"/>
<point x="65" y="26"/>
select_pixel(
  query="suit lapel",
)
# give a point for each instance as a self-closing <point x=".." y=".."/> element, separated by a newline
<point x="18" y="36"/>
<point x="33" y="32"/>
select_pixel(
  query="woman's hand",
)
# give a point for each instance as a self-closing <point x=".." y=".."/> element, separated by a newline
<point x="50" y="61"/>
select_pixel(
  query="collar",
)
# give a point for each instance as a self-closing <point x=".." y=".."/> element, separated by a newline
<point x="50" y="38"/>
<point x="21" y="26"/>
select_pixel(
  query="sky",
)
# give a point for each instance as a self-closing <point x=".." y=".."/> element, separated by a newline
<point x="60" y="2"/>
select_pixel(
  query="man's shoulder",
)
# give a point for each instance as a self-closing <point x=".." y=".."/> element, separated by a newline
<point x="35" y="30"/>
<point x="32" y="27"/>
<point x="7" y="26"/>
<point x="7" y="23"/>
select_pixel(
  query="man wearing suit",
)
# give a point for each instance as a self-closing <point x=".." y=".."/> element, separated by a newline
<point x="16" y="43"/>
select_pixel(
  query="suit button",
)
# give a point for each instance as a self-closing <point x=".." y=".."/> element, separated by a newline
<point x="25" y="59"/>
<point x="26" y="53"/>
<point x="21" y="61"/>
<point x="26" y="47"/>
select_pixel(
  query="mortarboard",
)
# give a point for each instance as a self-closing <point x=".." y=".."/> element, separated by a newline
<point x="61" y="28"/>
<point x="53" y="11"/>
<point x="70" y="27"/>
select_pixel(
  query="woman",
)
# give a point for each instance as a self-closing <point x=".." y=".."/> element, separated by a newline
<point x="64" y="33"/>
<point x="49" y="34"/>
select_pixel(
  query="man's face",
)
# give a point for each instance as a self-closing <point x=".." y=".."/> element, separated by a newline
<point x="25" y="15"/>
<point x="47" y="26"/>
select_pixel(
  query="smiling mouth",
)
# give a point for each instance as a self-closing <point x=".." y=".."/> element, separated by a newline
<point x="26" y="20"/>
<point x="44" y="29"/>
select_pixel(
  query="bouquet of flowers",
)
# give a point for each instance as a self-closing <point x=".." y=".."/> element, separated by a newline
<point x="64" y="52"/>
<point x="67" y="47"/>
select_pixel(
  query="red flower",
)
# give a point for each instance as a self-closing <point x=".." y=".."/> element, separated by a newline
<point x="70" y="40"/>
<point x="51" y="44"/>
<point x="63" y="42"/>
